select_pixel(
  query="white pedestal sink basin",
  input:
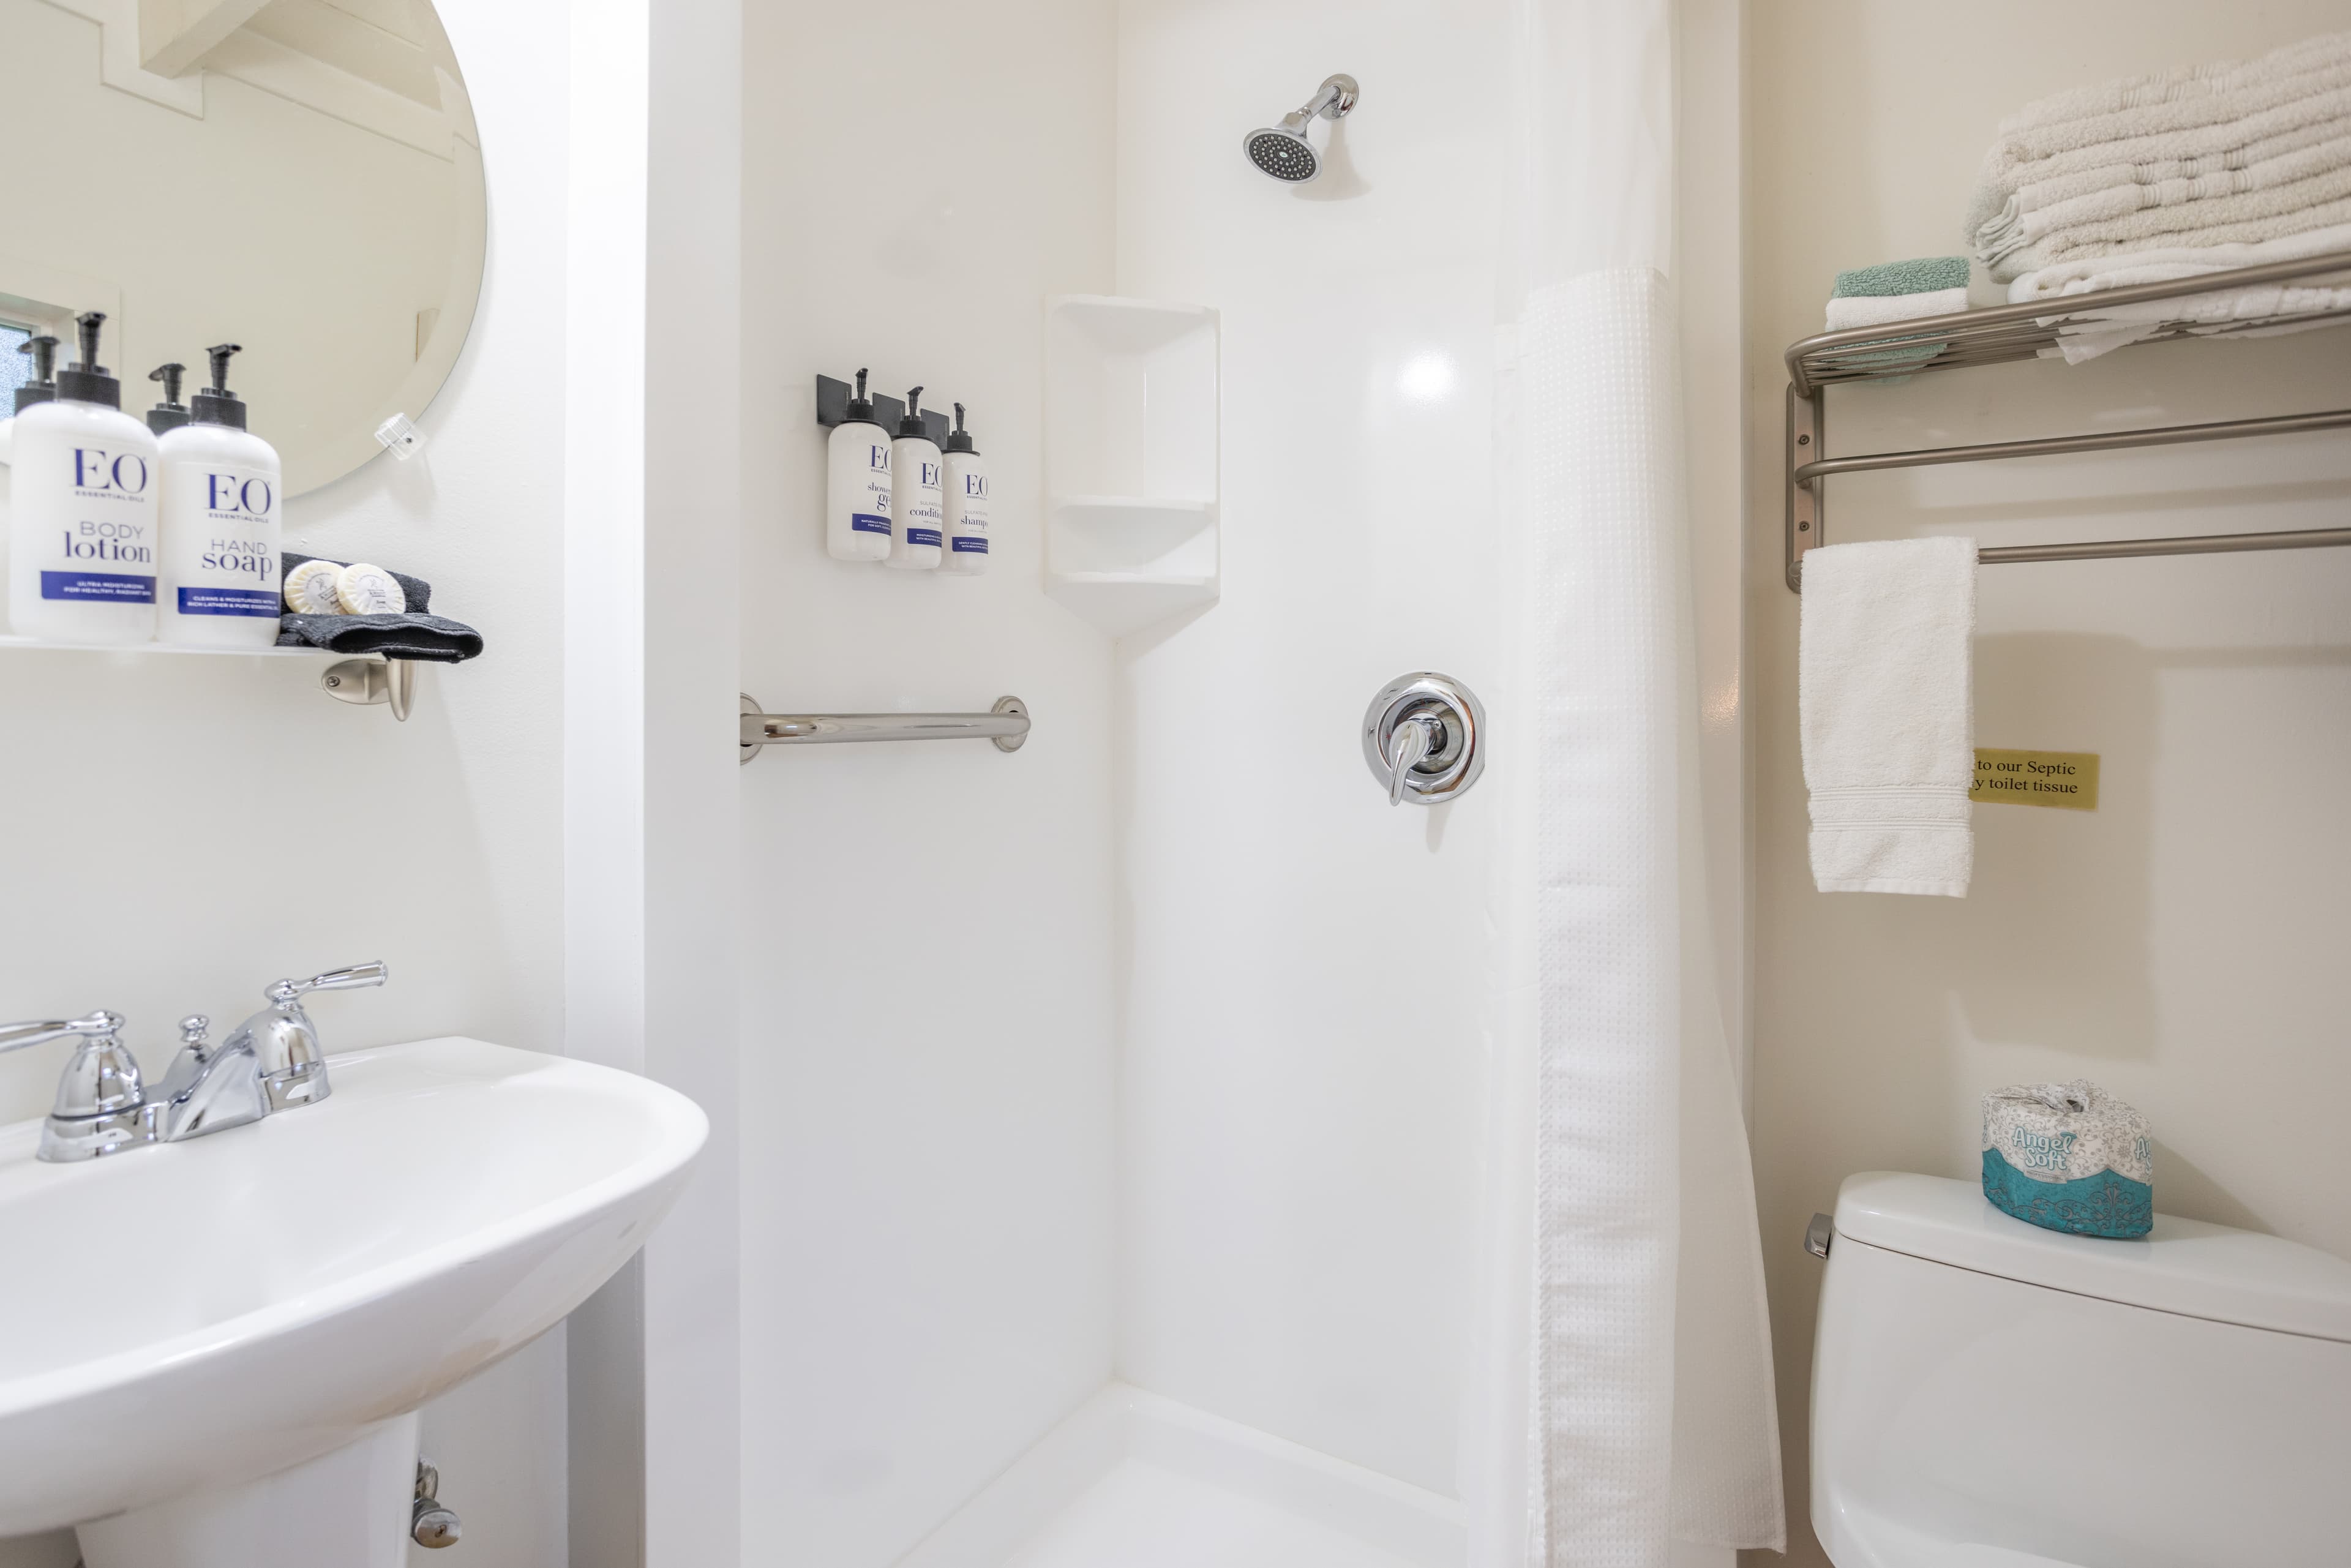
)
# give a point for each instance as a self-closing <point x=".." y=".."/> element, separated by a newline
<point x="212" y="1352"/>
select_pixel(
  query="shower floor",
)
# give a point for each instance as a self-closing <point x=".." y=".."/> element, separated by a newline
<point x="1134" y="1480"/>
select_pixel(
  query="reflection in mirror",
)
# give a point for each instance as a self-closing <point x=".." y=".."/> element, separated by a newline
<point x="302" y="177"/>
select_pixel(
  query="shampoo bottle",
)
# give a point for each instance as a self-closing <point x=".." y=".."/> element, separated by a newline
<point x="966" y="502"/>
<point x="220" y="560"/>
<point x="81" y="518"/>
<point x="915" y="488"/>
<point x="857" y="483"/>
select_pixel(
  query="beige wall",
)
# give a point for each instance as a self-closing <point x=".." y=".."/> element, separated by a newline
<point x="2182" y="945"/>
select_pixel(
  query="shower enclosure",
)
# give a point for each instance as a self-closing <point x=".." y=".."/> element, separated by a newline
<point x="1137" y="1163"/>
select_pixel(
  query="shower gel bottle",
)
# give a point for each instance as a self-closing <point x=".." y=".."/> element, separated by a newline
<point x="82" y="525"/>
<point x="967" y="503"/>
<point x="914" y="490"/>
<point x="857" y="483"/>
<point x="220" y="563"/>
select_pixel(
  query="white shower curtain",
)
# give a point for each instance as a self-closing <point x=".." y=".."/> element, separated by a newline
<point x="1626" y="1398"/>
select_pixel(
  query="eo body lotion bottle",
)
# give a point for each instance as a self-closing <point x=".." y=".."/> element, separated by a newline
<point x="857" y="483"/>
<point x="82" y="525"/>
<point x="220" y="561"/>
<point x="915" y="484"/>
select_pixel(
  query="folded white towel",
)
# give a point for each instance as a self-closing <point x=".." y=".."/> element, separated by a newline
<point x="1875" y="309"/>
<point x="2264" y="161"/>
<point x="2216" y="76"/>
<point x="2295" y="179"/>
<point x="2089" y="275"/>
<point x="2006" y="167"/>
<point x="1885" y="683"/>
<point x="2250" y="219"/>
<point x="2087" y="333"/>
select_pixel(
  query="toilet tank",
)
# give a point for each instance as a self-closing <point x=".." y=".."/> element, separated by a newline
<point x="1985" y="1392"/>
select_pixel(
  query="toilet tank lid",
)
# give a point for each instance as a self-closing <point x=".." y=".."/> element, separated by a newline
<point x="2183" y="1266"/>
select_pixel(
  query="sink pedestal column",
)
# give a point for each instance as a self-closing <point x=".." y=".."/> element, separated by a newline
<point x="347" y="1508"/>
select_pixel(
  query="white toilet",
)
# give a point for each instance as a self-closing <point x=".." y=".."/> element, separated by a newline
<point x="1990" y="1394"/>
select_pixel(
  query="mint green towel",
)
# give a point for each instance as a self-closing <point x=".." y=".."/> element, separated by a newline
<point x="1903" y="278"/>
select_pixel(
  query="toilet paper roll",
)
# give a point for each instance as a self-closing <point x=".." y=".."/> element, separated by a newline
<point x="2069" y="1157"/>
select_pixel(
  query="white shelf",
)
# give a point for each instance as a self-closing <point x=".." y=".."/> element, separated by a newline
<point x="1130" y="436"/>
<point x="1124" y="601"/>
<point x="50" y="643"/>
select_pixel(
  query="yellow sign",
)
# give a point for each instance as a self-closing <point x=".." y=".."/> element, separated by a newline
<point x="2067" y="779"/>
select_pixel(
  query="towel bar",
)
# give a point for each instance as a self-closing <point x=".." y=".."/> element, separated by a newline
<point x="1005" y="724"/>
<point x="2014" y="332"/>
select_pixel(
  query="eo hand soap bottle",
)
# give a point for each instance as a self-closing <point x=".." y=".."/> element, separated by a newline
<point x="82" y="521"/>
<point x="220" y="528"/>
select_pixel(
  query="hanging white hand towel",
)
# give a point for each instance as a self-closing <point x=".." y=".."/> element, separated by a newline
<point x="1886" y="687"/>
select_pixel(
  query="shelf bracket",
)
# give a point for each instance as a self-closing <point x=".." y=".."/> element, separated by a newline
<point x="371" y="680"/>
<point x="1807" y="421"/>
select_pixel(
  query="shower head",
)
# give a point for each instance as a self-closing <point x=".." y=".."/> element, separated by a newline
<point x="1282" y="151"/>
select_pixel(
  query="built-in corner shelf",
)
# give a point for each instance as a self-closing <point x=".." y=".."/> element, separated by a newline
<point x="364" y="681"/>
<point x="1130" y="459"/>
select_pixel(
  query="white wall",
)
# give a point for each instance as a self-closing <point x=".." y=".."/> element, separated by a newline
<point x="926" y="1056"/>
<point x="2180" y="944"/>
<point x="1302" y="967"/>
<point x="161" y="803"/>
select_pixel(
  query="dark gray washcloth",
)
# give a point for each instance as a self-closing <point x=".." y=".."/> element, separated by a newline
<point x="412" y="634"/>
<point x="404" y="636"/>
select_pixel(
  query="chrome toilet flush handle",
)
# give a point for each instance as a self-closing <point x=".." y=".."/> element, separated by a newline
<point x="1423" y="739"/>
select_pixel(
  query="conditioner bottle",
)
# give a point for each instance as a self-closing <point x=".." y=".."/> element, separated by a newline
<point x="916" y="480"/>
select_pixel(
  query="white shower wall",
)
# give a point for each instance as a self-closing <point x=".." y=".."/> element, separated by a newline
<point x="926" y="1068"/>
<point x="1302" y="967"/>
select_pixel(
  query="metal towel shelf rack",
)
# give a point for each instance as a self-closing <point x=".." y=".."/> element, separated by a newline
<point x="1005" y="724"/>
<point x="2022" y="332"/>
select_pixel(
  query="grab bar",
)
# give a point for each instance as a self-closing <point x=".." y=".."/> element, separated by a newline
<point x="1005" y="724"/>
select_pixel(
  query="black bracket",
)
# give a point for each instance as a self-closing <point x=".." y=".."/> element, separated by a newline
<point x="832" y="407"/>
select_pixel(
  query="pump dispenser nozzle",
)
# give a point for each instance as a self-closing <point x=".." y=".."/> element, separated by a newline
<point x="912" y="424"/>
<point x="171" y="414"/>
<point x="958" y="439"/>
<point x="87" y="380"/>
<point x="217" y="404"/>
<point x="43" y="387"/>
<point x="859" y="405"/>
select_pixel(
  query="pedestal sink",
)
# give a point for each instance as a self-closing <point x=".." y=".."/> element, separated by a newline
<point x="212" y="1352"/>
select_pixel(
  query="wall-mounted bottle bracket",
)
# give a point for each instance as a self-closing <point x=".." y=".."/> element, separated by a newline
<point x="832" y="407"/>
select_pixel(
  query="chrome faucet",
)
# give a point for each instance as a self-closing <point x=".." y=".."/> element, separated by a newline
<point x="269" y="1063"/>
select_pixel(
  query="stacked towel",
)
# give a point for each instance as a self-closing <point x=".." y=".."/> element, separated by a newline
<point x="2160" y="177"/>
<point x="1897" y="291"/>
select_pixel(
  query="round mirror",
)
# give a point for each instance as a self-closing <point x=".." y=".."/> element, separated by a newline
<point x="302" y="177"/>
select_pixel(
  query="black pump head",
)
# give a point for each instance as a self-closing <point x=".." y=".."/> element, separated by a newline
<point x="171" y="414"/>
<point x="43" y="387"/>
<point x="217" y="404"/>
<point x="958" y="439"/>
<point x="87" y="380"/>
<point x="859" y="405"/>
<point x="911" y="424"/>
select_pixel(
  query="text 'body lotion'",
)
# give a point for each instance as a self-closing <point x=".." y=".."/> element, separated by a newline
<point x="857" y="483"/>
<point x="220" y="577"/>
<point x="81" y="545"/>
<point x="966" y="502"/>
<point x="915" y="491"/>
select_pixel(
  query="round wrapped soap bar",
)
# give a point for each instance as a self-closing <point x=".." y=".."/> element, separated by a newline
<point x="364" y="589"/>
<point x="310" y="589"/>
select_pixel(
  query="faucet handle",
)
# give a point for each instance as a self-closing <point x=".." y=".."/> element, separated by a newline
<point x="100" y="1025"/>
<point x="101" y="1079"/>
<point x="1412" y="743"/>
<point x="357" y="976"/>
